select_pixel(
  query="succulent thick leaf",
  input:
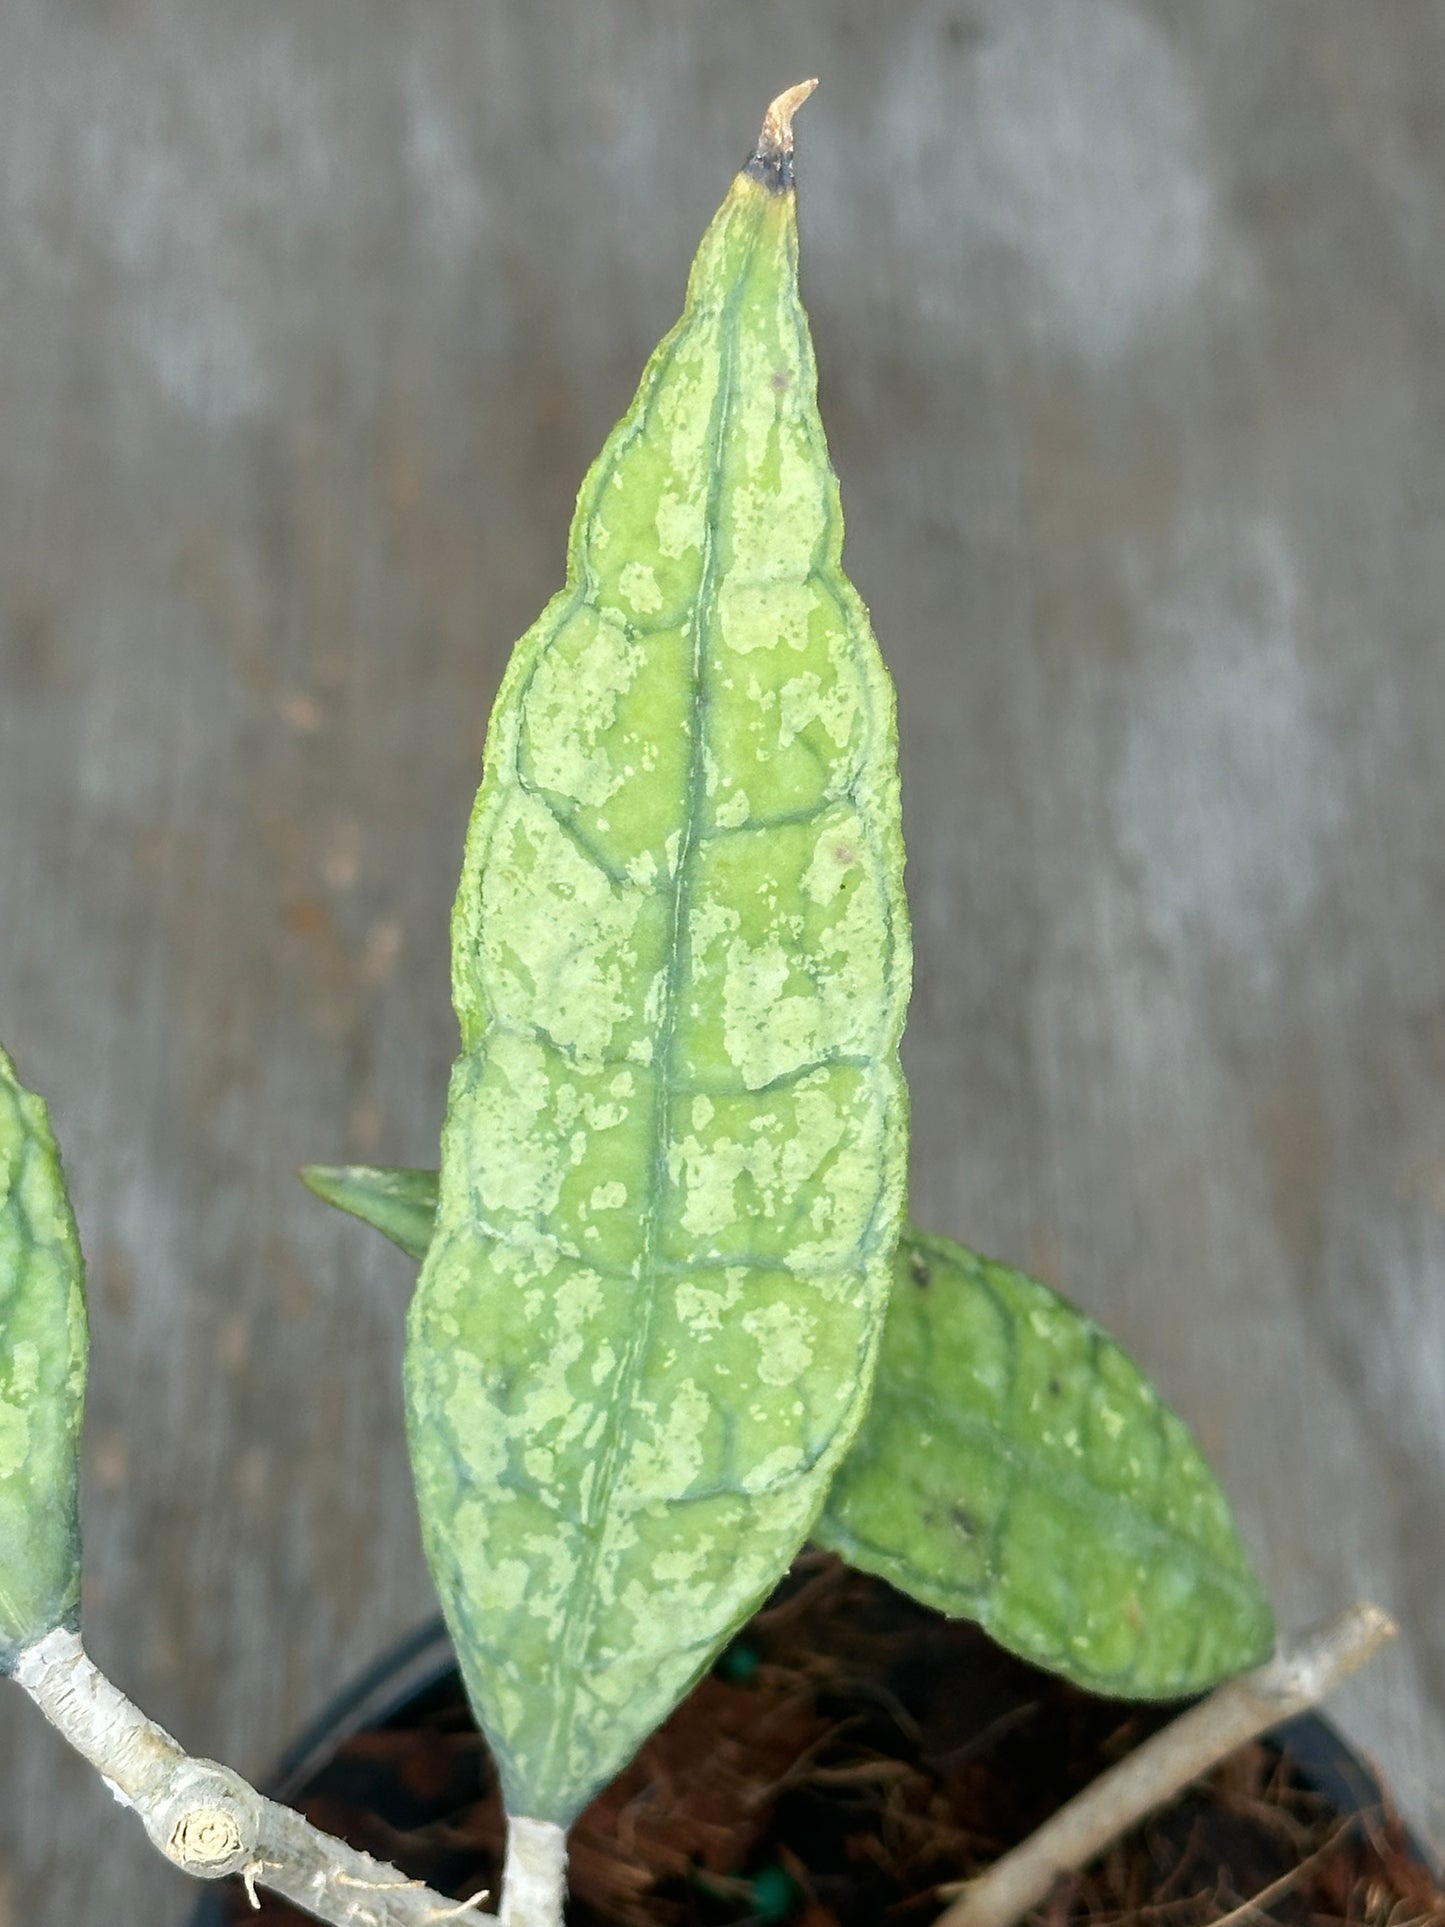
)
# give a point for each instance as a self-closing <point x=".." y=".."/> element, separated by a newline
<point x="42" y="1377"/>
<point x="1014" y="1468"/>
<point x="673" y="1158"/>
<point x="1018" y="1469"/>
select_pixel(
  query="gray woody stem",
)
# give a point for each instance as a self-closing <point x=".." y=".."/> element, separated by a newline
<point x="205" y="1818"/>
<point x="534" y="1875"/>
<point x="1298" y="1677"/>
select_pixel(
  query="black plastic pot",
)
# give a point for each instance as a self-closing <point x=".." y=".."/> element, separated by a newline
<point x="346" y="1770"/>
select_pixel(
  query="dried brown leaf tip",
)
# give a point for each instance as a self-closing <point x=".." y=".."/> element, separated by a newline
<point x="771" y="161"/>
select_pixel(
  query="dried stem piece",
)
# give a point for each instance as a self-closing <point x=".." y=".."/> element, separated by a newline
<point x="1298" y="1677"/>
<point x="777" y="134"/>
<point x="771" y="161"/>
<point x="204" y="1818"/>
<point x="534" y="1875"/>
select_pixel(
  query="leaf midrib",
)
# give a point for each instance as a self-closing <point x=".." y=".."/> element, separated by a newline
<point x="579" y="1624"/>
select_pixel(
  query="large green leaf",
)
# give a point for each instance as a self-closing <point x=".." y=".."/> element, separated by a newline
<point x="673" y="1158"/>
<point x="43" y="1350"/>
<point x="1015" y="1467"/>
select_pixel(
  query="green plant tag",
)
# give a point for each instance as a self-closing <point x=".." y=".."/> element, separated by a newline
<point x="673" y="1158"/>
<point x="43" y="1350"/>
<point x="1017" y="1468"/>
<point x="1014" y="1468"/>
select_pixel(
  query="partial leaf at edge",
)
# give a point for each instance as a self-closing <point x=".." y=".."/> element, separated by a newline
<point x="1088" y="1534"/>
<point x="43" y="1353"/>
<point x="673" y="1159"/>
<point x="401" y="1205"/>
<point x="1017" y="1468"/>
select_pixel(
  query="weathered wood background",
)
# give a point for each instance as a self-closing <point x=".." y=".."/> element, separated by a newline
<point x="312" y="313"/>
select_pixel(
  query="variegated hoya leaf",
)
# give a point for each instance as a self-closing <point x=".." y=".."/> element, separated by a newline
<point x="1015" y="1468"/>
<point x="673" y="1158"/>
<point x="43" y="1351"/>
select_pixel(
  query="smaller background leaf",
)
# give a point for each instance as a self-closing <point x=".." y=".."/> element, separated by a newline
<point x="43" y="1349"/>
<point x="400" y="1204"/>
<point x="1017" y="1468"/>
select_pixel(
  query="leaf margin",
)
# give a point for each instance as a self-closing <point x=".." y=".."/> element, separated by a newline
<point x="44" y="1356"/>
<point x="350" y="1189"/>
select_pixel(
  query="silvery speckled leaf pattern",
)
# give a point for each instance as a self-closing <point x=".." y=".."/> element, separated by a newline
<point x="673" y="1158"/>
<point x="43" y="1354"/>
<point x="1017" y="1468"/>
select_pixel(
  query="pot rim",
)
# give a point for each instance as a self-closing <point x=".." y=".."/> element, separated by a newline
<point x="422" y="1659"/>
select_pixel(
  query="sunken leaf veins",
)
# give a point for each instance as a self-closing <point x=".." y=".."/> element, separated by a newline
<point x="673" y="1160"/>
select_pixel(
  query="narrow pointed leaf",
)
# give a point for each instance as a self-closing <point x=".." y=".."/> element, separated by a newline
<point x="1085" y="1532"/>
<point x="1017" y="1468"/>
<point x="401" y="1205"/>
<point x="673" y="1157"/>
<point x="43" y="1351"/>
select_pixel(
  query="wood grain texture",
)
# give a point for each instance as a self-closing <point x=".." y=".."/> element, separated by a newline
<point x="1129" y="324"/>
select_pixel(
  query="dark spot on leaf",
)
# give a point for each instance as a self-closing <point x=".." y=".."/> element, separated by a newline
<point x="781" y="379"/>
<point x="1056" y="1385"/>
<point x="919" y="1269"/>
<point x="772" y="168"/>
<point x="963" y="1521"/>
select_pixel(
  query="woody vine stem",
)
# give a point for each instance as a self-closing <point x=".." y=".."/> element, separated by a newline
<point x="208" y="1821"/>
<point x="204" y="1818"/>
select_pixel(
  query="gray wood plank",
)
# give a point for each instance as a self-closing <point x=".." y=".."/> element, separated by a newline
<point x="1130" y="324"/>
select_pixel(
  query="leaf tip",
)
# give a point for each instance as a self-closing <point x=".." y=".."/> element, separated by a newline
<point x="771" y="161"/>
